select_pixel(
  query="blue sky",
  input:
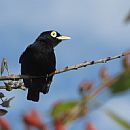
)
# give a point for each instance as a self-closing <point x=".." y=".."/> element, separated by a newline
<point x="97" y="30"/>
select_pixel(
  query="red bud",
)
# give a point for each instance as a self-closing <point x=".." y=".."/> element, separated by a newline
<point x="90" y="126"/>
<point x="4" y="125"/>
<point x="59" y="125"/>
<point x="85" y="86"/>
<point x="33" y="119"/>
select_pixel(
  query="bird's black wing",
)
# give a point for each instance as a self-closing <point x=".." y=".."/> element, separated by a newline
<point x="25" y="65"/>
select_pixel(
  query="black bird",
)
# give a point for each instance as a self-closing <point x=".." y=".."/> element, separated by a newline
<point x="39" y="60"/>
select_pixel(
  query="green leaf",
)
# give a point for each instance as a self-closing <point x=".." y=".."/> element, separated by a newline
<point x="122" y="83"/>
<point x="1" y="95"/>
<point x="60" y="108"/>
<point x="6" y="103"/>
<point x="3" y="112"/>
<point x="119" y="120"/>
<point x="8" y="86"/>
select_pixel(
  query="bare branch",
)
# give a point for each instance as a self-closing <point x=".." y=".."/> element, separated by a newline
<point x="67" y="68"/>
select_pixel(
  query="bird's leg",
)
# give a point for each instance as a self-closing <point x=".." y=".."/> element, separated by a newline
<point x="47" y="84"/>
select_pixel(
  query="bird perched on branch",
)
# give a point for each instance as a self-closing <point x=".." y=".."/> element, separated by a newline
<point x="39" y="60"/>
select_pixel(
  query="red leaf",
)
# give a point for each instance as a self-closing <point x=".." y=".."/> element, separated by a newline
<point x="4" y="125"/>
<point x="33" y="119"/>
<point x="90" y="126"/>
<point x="59" y="125"/>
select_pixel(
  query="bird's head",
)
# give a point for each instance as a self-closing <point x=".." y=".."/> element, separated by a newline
<point x="52" y="37"/>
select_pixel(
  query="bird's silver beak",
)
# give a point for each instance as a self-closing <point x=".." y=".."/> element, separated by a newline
<point x="63" y="38"/>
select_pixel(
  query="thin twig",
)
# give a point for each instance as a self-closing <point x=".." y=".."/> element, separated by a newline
<point x="67" y="68"/>
<point x="102" y="87"/>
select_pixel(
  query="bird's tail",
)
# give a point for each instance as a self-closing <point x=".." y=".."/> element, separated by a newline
<point x="37" y="86"/>
<point x="33" y="94"/>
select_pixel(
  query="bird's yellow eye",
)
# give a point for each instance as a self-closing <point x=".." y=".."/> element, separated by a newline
<point x="53" y="34"/>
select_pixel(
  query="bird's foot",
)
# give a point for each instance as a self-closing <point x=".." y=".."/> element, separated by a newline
<point x="45" y="89"/>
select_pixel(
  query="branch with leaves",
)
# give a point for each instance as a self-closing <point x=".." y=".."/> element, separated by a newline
<point x="65" y="112"/>
<point x="15" y="82"/>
